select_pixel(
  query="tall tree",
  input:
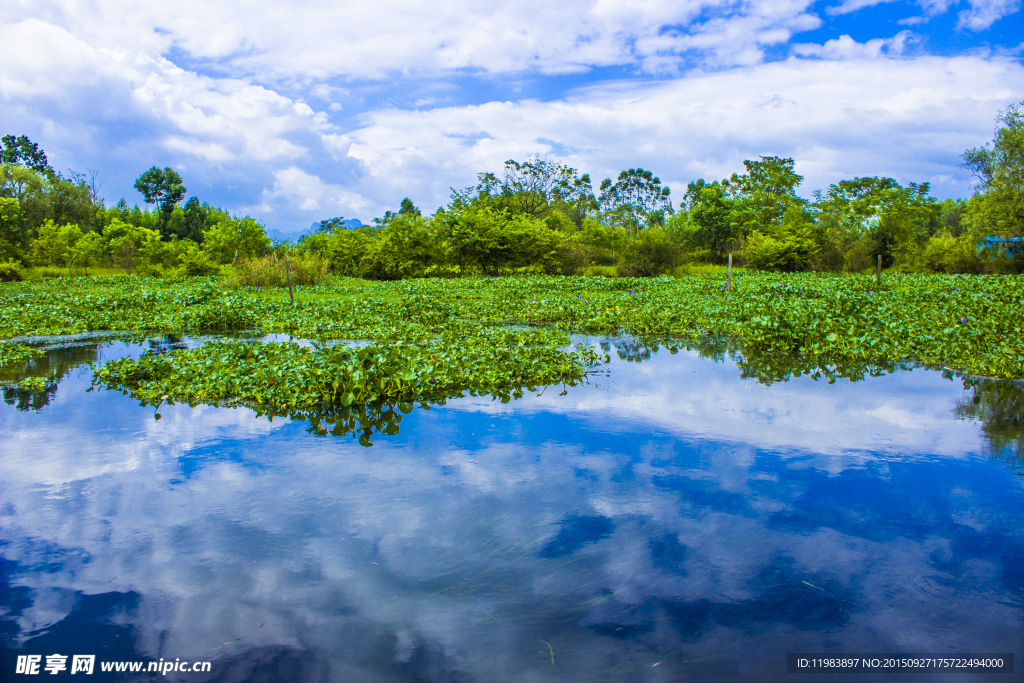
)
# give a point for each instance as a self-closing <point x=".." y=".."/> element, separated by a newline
<point x="162" y="187"/>
<point x="764" y="193"/>
<point x="20" y="150"/>
<point x="408" y="208"/>
<point x="634" y="198"/>
<point x="1000" y="172"/>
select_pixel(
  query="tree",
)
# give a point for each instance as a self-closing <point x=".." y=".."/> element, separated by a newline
<point x="22" y="151"/>
<point x="633" y="198"/>
<point x="244" y="237"/>
<point x="537" y="186"/>
<point x="711" y="213"/>
<point x="881" y="216"/>
<point x="128" y="243"/>
<point x="408" y="208"/>
<point x="161" y="187"/>
<point x="764" y="193"/>
<point x="1000" y="172"/>
<point x="85" y="251"/>
<point x="14" y="237"/>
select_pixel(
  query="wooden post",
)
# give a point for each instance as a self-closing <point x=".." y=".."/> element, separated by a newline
<point x="728" y="284"/>
<point x="878" y="272"/>
<point x="288" y="276"/>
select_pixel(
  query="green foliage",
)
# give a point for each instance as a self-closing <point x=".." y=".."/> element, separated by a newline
<point x="796" y="321"/>
<point x="652" y="253"/>
<point x="269" y="271"/>
<point x="11" y="271"/>
<point x="195" y="262"/>
<point x="13" y="235"/>
<point x="632" y="199"/>
<point x="763" y="194"/>
<point x="947" y="254"/>
<point x="342" y="249"/>
<point x="406" y="247"/>
<point x="161" y="187"/>
<point x="711" y="215"/>
<point x="345" y="390"/>
<point x="132" y="245"/>
<point x="20" y="150"/>
<point x="791" y="246"/>
<point x="233" y="238"/>
<point x="14" y="353"/>
<point x="1000" y="171"/>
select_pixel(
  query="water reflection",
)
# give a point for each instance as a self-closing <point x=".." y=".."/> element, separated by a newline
<point x="668" y="521"/>
<point x="999" y="407"/>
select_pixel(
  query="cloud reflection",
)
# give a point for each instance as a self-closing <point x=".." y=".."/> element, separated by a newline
<point x="667" y="512"/>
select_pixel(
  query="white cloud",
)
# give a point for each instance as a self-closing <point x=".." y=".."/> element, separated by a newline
<point x="984" y="13"/>
<point x="839" y="118"/>
<point x="845" y="47"/>
<point x="310" y="193"/>
<point x="850" y="6"/>
<point x="315" y="39"/>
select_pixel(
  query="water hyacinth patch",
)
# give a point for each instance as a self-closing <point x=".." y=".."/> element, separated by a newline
<point x="833" y="322"/>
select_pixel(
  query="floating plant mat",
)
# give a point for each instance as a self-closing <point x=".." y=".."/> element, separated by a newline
<point x="967" y="323"/>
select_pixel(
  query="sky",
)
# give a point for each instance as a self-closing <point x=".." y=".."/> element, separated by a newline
<point x="293" y="113"/>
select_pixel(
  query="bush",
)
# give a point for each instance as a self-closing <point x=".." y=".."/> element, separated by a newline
<point x="268" y="271"/>
<point x="11" y="271"/>
<point x="197" y="262"/>
<point x="946" y="254"/>
<point x="652" y="253"/>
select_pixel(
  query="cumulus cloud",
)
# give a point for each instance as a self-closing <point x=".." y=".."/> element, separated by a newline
<point x="379" y="102"/>
<point x="310" y="193"/>
<point x="984" y="13"/>
<point x="318" y="39"/>
<point x="839" y="117"/>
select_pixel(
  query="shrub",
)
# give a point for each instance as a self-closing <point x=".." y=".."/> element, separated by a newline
<point x="268" y="271"/>
<point x="11" y="271"/>
<point x="652" y="253"/>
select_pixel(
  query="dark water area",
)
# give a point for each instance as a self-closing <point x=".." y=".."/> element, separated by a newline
<point x="668" y="520"/>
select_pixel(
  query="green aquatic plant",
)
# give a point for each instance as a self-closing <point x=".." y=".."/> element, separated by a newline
<point x="355" y="390"/>
<point x="13" y="353"/>
<point x="782" y="324"/>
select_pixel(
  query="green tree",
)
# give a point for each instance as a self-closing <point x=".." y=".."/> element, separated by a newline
<point x="50" y="247"/>
<point x="408" y="208"/>
<point x="128" y="243"/>
<point x="14" y="237"/>
<point x="790" y="246"/>
<point x="867" y="217"/>
<point x="236" y="237"/>
<point x="1000" y="172"/>
<point x="86" y="250"/>
<point x="633" y="198"/>
<point x="763" y="194"/>
<point x="28" y="188"/>
<point x="652" y="253"/>
<point x="711" y="215"/>
<point x="407" y="246"/>
<point x="22" y="151"/>
<point x="164" y="188"/>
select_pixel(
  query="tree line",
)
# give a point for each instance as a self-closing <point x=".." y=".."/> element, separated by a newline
<point x="541" y="216"/>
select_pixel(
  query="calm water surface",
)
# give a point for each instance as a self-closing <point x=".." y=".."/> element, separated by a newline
<point x="668" y="521"/>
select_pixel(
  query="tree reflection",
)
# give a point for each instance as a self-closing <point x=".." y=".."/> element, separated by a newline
<point x="999" y="406"/>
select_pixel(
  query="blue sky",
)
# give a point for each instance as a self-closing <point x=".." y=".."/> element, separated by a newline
<point x="318" y="109"/>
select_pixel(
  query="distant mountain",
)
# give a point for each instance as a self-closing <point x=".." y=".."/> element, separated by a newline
<point x="276" y="235"/>
<point x="348" y="224"/>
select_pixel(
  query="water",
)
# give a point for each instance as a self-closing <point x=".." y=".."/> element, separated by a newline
<point x="667" y="521"/>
